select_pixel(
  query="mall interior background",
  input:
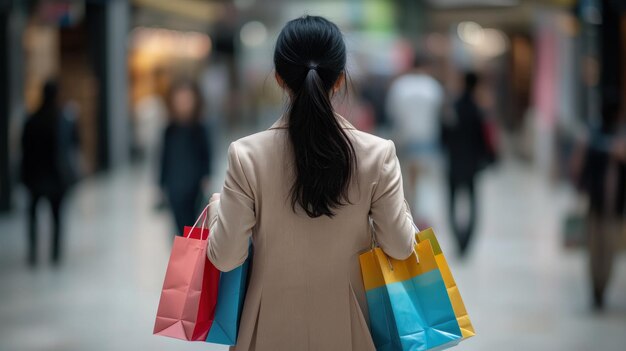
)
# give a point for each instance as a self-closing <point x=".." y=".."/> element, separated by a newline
<point x="547" y="67"/>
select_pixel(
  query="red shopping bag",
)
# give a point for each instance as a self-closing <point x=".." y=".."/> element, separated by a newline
<point x="189" y="295"/>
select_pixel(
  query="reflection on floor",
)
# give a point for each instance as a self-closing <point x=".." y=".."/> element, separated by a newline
<point x="522" y="289"/>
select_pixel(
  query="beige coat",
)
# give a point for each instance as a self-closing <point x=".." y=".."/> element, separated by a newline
<point x="305" y="288"/>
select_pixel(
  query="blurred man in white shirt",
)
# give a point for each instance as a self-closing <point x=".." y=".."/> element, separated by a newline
<point x="414" y="105"/>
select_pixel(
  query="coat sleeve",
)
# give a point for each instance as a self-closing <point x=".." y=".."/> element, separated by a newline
<point x="390" y="213"/>
<point x="232" y="218"/>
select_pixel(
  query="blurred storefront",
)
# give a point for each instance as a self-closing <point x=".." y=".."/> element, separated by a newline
<point x="82" y="45"/>
<point x="11" y="22"/>
<point x="173" y="41"/>
<point x="547" y="66"/>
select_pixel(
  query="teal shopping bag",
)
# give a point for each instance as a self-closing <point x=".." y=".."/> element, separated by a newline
<point x="230" y="297"/>
<point x="409" y="306"/>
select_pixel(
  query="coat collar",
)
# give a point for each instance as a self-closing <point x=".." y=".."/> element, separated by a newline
<point x="281" y="123"/>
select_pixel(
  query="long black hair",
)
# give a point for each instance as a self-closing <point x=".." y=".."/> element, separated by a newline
<point x="310" y="57"/>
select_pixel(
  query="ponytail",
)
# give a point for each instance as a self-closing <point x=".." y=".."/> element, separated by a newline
<point x="324" y="156"/>
<point x="310" y="58"/>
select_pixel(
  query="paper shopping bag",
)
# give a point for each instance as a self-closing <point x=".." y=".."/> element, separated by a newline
<point x="408" y="303"/>
<point x="453" y="291"/>
<point x="230" y="298"/>
<point x="189" y="294"/>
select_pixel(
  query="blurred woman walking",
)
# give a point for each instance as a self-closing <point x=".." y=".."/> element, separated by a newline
<point x="186" y="156"/>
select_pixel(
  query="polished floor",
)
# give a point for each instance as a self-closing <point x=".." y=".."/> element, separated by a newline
<point x="523" y="290"/>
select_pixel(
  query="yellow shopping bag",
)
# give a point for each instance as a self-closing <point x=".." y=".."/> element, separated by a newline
<point x="408" y="304"/>
<point x="453" y="291"/>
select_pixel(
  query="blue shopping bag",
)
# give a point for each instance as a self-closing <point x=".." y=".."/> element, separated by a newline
<point x="409" y="306"/>
<point x="230" y="297"/>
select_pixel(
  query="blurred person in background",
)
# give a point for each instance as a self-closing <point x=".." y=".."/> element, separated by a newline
<point x="467" y="153"/>
<point x="413" y="107"/>
<point x="186" y="155"/>
<point x="46" y="168"/>
<point x="604" y="180"/>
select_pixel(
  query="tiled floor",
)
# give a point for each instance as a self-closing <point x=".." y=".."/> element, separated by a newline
<point x="522" y="289"/>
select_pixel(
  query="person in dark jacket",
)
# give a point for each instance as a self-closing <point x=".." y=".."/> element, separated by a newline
<point x="186" y="157"/>
<point x="45" y="168"/>
<point x="467" y="154"/>
<point x="604" y="180"/>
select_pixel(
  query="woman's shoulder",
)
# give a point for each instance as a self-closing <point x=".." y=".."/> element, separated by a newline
<point x="369" y="144"/>
<point x="362" y="141"/>
<point x="260" y="145"/>
<point x="372" y="152"/>
<point x="260" y="139"/>
<point x="276" y="141"/>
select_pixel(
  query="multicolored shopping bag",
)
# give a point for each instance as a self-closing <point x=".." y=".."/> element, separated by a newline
<point x="408" y="303"/>
<point x="189" y="294"/>
<point x="230" y="298"/>
<point x="453" y="291"/>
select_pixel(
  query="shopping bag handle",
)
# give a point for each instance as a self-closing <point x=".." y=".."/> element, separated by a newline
<point x="203" y="215"/>
<point x="415" y="241"/>
<point x="374" y="244"/>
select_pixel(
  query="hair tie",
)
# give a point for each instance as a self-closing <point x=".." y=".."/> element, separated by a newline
<point x="312" y="66"/>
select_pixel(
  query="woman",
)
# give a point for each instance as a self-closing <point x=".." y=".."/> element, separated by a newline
<point x="304" y="192"/>
<point x="185" y="160"/>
